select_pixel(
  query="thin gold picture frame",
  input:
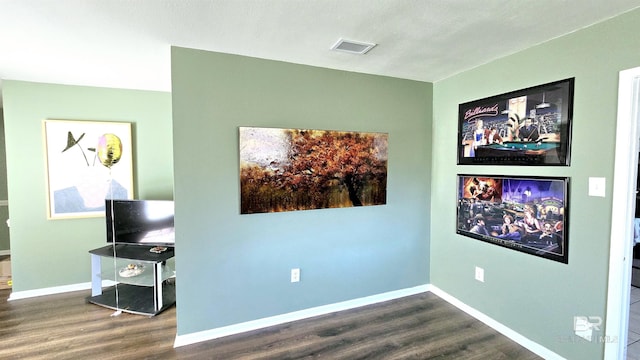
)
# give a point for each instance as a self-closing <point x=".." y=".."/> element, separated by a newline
<point x="86" y="162"/>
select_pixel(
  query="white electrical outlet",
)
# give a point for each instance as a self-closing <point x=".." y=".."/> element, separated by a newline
<point x="479" y="274"/>
<point x="597" y="186"/>
<point x="295" y="275"/>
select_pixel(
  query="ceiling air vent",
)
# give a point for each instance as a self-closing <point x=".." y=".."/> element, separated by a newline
<point x="353" y="47"/>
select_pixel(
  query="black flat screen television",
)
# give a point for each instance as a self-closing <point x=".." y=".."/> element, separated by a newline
<point x="142" y="222"/>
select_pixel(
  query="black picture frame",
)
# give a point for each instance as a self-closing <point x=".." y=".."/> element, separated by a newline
<point x="523" y="213"/>
<point x="533" y="127"/>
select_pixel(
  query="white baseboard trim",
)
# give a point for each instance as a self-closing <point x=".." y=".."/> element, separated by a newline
<point x="18" y="295"/>
<point x="187" y="339"/>
<point x="504" y="330"/>
<point x="5" y="252"/>
<point x="192" y="338"/>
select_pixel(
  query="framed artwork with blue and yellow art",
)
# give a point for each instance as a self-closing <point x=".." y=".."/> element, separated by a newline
<point x="87" y="162"/>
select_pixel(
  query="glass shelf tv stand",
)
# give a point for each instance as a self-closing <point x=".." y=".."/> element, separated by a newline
<point x="139" y="281"/>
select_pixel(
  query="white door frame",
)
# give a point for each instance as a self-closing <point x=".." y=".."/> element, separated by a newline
<point x="622" y="215"/>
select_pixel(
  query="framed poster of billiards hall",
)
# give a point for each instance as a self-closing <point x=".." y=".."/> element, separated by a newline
<point x="522" y="213"/>
<point x="525" y="127"/>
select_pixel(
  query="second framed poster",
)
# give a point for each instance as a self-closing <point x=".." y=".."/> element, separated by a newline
<point x="527" y="214"/>
<point x="525" y="127"/>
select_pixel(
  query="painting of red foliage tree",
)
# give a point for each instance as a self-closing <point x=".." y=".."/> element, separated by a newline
<point x="293" y="169"/>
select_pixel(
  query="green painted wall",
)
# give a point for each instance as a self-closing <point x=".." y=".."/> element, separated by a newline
<point x="536" y="297"/>
<point x="47" y="253"/>
<point x="4" y="208"/>
<point x="234" y="268"/>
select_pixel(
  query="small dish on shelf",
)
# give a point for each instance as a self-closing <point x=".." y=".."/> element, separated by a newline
<point x="158" y="249"/>
<point x="131" y="270"/>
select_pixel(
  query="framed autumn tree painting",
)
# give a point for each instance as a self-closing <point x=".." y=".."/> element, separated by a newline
<point x="295" y="169"/>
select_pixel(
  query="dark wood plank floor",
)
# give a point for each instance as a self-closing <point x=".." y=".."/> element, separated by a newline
<point x="423" y="326"/>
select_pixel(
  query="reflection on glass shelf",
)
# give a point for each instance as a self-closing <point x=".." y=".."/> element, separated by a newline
<point x="143" y="278"/>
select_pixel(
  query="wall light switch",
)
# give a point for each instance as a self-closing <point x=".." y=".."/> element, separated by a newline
<point x="597" y="186"/>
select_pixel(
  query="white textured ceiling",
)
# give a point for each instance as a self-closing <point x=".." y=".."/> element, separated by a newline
<point x="126" y="43"/>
